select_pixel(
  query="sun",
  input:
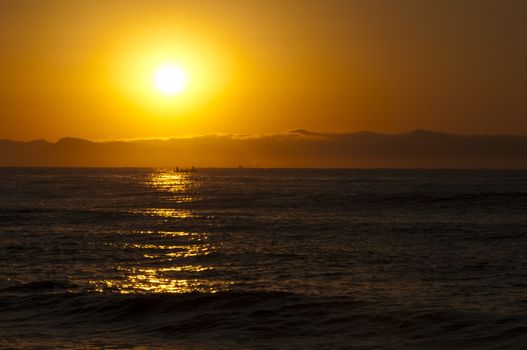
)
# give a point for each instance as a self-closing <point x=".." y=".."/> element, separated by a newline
<point x="170" y="80"/>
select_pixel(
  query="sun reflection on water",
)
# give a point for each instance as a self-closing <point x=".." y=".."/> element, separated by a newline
<point x="171" y="267"/>
<point x="165" y="261"/>
<point x="151" y="282"/>
<point x="173" y="182"/>
<point x="165" y="213"/>
<point x="193" y="235"/>
<point x="158" y="280"/>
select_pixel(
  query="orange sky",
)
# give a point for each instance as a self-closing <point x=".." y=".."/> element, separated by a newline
<point x="83" y="69"/>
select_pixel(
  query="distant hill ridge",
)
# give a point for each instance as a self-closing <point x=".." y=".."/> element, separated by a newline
<point x="297" y="148"/>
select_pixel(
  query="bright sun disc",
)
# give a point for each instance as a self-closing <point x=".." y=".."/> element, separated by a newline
<point x="170" y="80"/>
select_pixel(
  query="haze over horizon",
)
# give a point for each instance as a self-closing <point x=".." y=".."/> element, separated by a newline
<point x="297" y="149"/>
<point x="270" y="134"/>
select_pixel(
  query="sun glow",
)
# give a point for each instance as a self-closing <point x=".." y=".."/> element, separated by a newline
<point x="169" y="83"/>
<point x="170" y="80"/>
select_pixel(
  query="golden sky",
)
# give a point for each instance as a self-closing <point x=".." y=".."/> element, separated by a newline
<point x="86" y="68"/>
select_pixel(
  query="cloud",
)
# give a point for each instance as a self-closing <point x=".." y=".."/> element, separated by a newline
<point x="297" y="148"/>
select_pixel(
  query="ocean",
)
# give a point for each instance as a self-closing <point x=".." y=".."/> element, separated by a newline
<point x="262" y="259"/>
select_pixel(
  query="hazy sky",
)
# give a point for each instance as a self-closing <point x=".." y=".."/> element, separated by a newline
<point x="85" y="68"/>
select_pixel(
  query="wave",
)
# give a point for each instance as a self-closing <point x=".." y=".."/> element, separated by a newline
<point x="261" y="317"/>
<point x="39" y="286"/>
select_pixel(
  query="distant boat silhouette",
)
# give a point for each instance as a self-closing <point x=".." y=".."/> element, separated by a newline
<point x="186" y="170"/>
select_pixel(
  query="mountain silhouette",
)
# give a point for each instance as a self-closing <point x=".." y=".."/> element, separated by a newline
<point x="297" y="148"/>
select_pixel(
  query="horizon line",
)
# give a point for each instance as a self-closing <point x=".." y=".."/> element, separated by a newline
<point x="3" y="167"/>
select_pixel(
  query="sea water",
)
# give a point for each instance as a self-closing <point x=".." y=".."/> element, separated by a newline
<point x="263" y="259"/>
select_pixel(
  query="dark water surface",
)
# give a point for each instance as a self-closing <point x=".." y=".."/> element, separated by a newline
<point x="263" y="259"/>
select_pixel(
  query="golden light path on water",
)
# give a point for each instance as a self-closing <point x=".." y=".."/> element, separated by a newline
<point x="169" y="269"/>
